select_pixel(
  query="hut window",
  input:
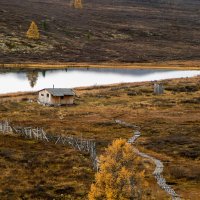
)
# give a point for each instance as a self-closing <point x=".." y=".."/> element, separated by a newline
<point x="42" y="95"/>
<point x="47" y="95"/>
<point x="62" y="97"/>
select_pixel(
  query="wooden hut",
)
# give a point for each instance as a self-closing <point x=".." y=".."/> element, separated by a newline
<point x="158" y="88"/>
<point x="56" y="96"/>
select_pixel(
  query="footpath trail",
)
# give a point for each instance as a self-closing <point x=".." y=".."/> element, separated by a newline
<point x="159" y="165"/>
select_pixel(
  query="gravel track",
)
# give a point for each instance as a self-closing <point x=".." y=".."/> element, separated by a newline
<point x="159" y="165"/>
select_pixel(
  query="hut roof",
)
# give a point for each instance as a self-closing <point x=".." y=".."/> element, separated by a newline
<point x="59" y="92"/>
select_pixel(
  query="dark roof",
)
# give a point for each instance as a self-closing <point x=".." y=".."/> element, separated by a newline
<point x="59" y="92"/>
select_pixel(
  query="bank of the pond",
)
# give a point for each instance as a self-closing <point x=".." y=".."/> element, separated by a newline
<point x="21" y="80"/>
<point x="177" y="65"/>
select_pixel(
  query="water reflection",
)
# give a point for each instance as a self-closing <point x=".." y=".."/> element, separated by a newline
<point x="32" y="77"/>
<point x="23" y="80"/>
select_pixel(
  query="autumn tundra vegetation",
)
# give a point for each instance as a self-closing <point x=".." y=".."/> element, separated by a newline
<point x="102" y="31"/>
<point x="61" y="172"/>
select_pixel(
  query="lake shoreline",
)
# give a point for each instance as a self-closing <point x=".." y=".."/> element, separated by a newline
<point x="22" y="94"/>
<point x="176" y="65"/>
<point x="37" y="79"/>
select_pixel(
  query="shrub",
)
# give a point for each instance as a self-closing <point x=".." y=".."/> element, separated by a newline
<point x="116" y="179"/>
<point x="189" y="173"/>
<point x="77" y="4"/>
<point x="194" y="173"/>
<point x="192" y="153"/>
<point x="44" y="25"/>
<point x="178" y="172"/>
<point x="33" y="32"/>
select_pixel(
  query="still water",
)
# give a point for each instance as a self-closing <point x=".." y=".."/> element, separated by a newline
<point x="32" y="80"/>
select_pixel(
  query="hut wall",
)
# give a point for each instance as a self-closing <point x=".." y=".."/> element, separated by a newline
<point x="44" y="97"/>
<point x="67" y="100"/>
<point x="55" y="100"/>
<point x="158" y="89"/>
<point x="62" y="100"/>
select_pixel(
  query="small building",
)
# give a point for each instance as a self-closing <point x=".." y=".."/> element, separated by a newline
<point x="56" y="96"/>
<point x="158" y="88"/>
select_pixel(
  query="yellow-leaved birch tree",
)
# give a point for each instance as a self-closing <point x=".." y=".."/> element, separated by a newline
<point x="117" y="177"/>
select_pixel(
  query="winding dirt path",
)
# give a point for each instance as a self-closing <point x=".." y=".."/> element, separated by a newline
<point x="159" y="165"/>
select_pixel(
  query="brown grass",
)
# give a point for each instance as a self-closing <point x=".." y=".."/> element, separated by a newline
<point x="103" y="31"/>
<point x="33" y="170"/>
<point x="169" y="124"/>
<point x="178" y="65"/>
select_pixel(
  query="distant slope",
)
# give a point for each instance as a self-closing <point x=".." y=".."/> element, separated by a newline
<point x="103" y="31"/>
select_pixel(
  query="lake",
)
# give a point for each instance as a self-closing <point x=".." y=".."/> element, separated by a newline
<point x="32" y="80"/>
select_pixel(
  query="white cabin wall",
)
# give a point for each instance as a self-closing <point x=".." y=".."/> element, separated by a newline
<point x="45" y="99"/>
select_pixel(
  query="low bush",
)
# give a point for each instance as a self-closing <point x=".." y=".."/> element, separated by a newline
<point x="194" y="101"/>
<point x="178" y="172"/>
<point x="192" y="154"/>
<point x="185" y="172"/>
<point x="183" y="88"/>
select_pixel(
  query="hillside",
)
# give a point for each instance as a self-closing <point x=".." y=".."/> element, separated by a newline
<point x="103" y="31"/>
